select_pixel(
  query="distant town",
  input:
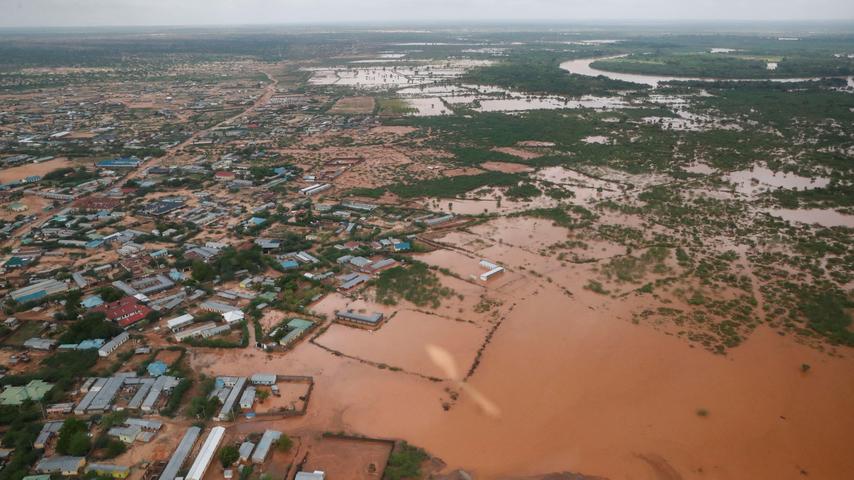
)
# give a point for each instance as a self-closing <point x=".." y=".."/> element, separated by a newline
<point x="377" y="254"/>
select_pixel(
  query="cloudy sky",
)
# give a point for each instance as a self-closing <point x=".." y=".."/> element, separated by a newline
<point x="20" y="13"/>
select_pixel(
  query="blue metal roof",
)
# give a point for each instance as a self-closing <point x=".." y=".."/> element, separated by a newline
<point x="156" y="369"/>
<point x="92" y="301"/>
<point x="288" y="264"/>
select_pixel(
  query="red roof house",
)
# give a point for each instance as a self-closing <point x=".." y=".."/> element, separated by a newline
<point x="124" y="311"/>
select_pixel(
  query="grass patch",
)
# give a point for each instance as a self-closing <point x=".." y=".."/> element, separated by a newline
<point x="416" y="284"/>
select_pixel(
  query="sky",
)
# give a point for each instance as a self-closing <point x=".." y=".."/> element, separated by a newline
<point x="28" y="13"/>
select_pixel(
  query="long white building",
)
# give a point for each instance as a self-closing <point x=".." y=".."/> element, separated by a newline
<point x="206" y="454"/>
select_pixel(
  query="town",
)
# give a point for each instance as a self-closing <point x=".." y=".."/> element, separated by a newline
<point x="389" y="255"/>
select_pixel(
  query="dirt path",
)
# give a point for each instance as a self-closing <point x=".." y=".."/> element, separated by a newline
<point x="265" y="97"/>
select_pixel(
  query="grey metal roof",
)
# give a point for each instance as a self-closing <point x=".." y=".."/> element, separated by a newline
<point x="141" y="393"/>
<point x="162" y="382"/>
<point x="113" y="344"/>
<point x="263" y="447"/>
<point x="181" y="453"/>
<point x="228" y="405"/>
<point x="318" y="475"/>
<point x="59" y="464"/>
<point x="263" y="378"/>
<point x="104" y="398"/>
<point x="372" y="319"/>
<point x="245" y="450"/>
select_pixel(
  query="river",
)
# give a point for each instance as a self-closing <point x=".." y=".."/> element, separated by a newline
<point x="582" y="67"/>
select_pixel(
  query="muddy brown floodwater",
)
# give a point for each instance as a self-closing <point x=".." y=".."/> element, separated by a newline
<point x="576" y="385"/>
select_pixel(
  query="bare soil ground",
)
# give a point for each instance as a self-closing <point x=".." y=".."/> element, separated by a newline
<point x="22" y="171"/>
<point x="353" y="105"/>
<point x="506" y="167"/>
<point x="351" y="459"/>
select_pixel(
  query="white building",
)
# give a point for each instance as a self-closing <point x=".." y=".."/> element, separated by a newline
<point x="113" y="344"/>
<point x="206" y="454"/>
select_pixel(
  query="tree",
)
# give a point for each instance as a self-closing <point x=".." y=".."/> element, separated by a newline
<point x="262" y="395"/>
<point x="284" y="443"/>
<point x="70" y="438"/>
<point x="202" y="407"/>
<point x="79" y="444"/>
<point x="228" y="455"/>
<point x="110" y="294"/>
<point x="115" y="448"/>
<point x="202" y="272"/>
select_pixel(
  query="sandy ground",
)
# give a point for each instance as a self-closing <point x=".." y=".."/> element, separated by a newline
<point x="518" y="152"/>
<point x="22" y="171"/>
<point x="392" y="130"/>
<point x="506" y="167"/>
<point x="350" y="459"/>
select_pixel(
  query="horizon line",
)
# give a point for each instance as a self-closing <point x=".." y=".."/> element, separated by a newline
<point x="446" y="22"/>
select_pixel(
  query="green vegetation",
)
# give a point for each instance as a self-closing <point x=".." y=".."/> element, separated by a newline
<point x="202" y="407"/>
<point x="541" y="74"/>
<point x="228" y="262"/>
<point x="228" y="455"/>
<point x="416" y="284"/>
<point x="73" y="438"/>
<point x="284" y="443"/>
<point x="394" y="106"/>
<point x="22" y="427"/>
<point x="448" y="187"/>
<point x="827" y="313"/>
<point x="634" y="269"/>
<point x="69" y="177"/>
<point x="569" y="216"/>
<point x="475" y="156"/>
<point x="404" y="462"/>
<point x="176" y="397"/>
<point x="92" y="325"/>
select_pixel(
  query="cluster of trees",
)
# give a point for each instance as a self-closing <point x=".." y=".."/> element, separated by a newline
<point x="227" y="263"/>
<point x="92" y="325"/>
<point x="416" y="284"/>
<point x="542" y="74"/>
<point x="74" y="438"/>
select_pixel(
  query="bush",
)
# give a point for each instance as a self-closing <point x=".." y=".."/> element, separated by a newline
<point x="73" y="438"/>
<point x="284" y="443"/>
<point x="416" y="284"/>
<point x="405" y="462"/>
<point x="115" y="448"/>
<point x="228" y="455"/>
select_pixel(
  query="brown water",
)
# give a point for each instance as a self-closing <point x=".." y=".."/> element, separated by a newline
<point x="568" y="382"/>
<point x="810" y="216"/>
<point x="580" y="388"/>
<point x="759" y="178"/>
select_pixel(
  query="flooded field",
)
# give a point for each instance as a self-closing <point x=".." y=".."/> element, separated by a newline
<point x="427" y="106"/>
<point x="548" y="103"/>
<point x="810" y="216"/>
<point x="403" y="340"/>
<point x="759" y="179"/>
<point x="391" y="77"/>
<point x="618" y="394"/>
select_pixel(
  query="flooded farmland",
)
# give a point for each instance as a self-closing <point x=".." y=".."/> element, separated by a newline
<point x="431" y="253"/>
